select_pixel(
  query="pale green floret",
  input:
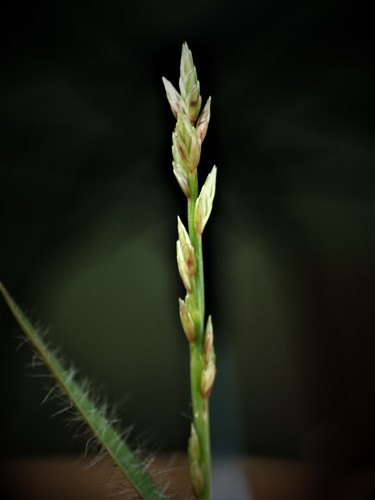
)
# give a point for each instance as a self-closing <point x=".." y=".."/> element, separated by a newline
<point x="182" y="268"/>
<point x="182" y="178"/>
<point x="187" y="248"/>
<point x="186" y="321"/>
<point x="208" y="350"/>
<point x="203" y="121"/>
<point x="184" y="237"/>
<point x="196" y="469"/>
<point x="194" y="103"/>
<point x="193" y="447"/>
<point x="187" y="146"/>
<point x="189" y="84"/>
<point x="192" y="308"/>
<point x="197" y="478"/>
<point x="175" y="101"/>
<point x="208" y="379"/>
<point x="205" y="201"/>
<point x="176" y="153"/>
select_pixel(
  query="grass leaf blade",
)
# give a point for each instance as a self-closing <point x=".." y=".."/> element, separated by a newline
<point x="103" y="430"/>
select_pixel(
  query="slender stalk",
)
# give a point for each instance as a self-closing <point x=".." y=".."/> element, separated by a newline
<point x="201" y="419"/>
<point x="196" y="241"/>
<point x="200" y="403"/>
<point x="187" y="138"/>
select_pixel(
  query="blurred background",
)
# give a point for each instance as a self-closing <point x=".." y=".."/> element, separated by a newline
<point x="88" y="221"/>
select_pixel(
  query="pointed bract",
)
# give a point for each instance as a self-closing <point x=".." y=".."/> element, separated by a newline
<point x="175" y="101"/>
<point x="208" y="379"/>
<point x="182" y="178"/>
<point x="196" y="468"/>
<point x="189" y="85"/>
<point x="186" y="321"/>
<point x="208" y="348"/>
<point x="187" y="248"/>
<point x="191" y="306"/>
<point x="182" y="269"/>
<point x="194" y="102"/>
<point x="205" y="200"/>
<point x="203" y="121"/>
<point x="197" y="478"/>
<point x="186" y="147"/>
<point x="188" y="73"/>
<point x="193" y="446"/>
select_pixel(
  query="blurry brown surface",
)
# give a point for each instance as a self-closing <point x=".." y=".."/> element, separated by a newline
<point x="268" y="479"/>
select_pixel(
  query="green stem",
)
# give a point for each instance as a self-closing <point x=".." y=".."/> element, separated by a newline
<point x="201" y="417"/>
<point x="199" y="403"/>
<point x="196" y="241"/>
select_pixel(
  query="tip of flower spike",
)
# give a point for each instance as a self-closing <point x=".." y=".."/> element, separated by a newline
<point x="185" y="48"/>
<point x="188" y="73"/>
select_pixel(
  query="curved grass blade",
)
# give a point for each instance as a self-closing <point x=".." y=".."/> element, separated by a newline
<point x="105" y="433"/>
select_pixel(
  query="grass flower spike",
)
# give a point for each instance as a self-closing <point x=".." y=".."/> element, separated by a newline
<point x="189" y="133"/>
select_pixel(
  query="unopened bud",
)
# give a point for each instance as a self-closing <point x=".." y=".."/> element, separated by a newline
<point x="192" y="307"/>
<point x="203" y="121"/>
<point x="175" y="101"/>
<point x="182" y="178"/>
<point x="178" y="151"/>
<point x="182" y="269"/>
<point x="205" y="200"/>
<point x="194" y="103"/>
<point x="196" y="470"/>
<point x="186" y="147"/>
<point x="187" y="247"/>
<point x="188" y="73"/>
<point x="193" y="445"/>
<point x="186" y="321"/>
<point x="208" y="379"/>
<point x="208" y="349"/>
<point x="197" y="478"/>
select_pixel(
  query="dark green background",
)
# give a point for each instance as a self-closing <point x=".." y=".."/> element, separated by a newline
<point x="88" y="215"/>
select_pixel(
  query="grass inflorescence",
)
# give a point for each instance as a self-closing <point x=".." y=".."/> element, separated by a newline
<point x="187" y="138"/>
